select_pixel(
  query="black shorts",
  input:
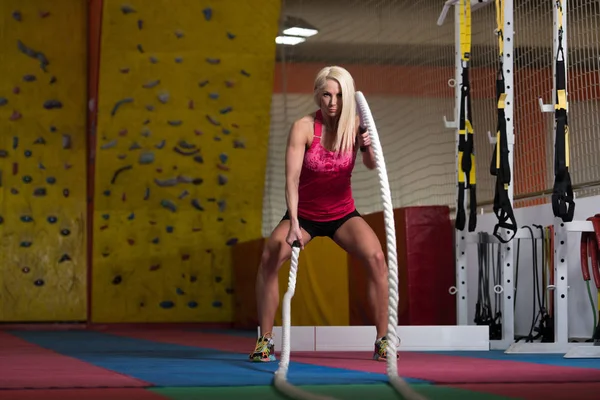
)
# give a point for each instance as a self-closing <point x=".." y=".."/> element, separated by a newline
<point x="327" y="228"/>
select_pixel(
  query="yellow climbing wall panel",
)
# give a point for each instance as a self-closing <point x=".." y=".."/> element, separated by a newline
<point x="184" y="100"/>
<point x="42" y="160"/>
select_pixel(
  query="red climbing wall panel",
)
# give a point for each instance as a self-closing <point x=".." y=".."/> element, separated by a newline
<point x="425" y="268"/>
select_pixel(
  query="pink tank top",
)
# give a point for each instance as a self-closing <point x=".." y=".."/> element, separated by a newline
<point x="325" y="192"/>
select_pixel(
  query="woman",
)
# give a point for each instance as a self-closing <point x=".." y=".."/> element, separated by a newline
<point x="320" y="156"/>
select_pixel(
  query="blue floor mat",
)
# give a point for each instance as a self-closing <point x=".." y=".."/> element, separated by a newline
<point x="162" y="364"/>
<point x="542" y="359"/>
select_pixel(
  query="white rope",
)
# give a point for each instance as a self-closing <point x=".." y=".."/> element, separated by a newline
<point x="396" y="381"/>
<point x="281" y="381"/>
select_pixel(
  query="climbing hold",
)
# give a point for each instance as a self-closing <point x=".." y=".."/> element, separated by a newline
<point x="229" y="84"/>
<point x="153" y="59"/>
<point x="183" y="195"/>
<point x="44" y="14"/>
<point x="245" y="73"/>
<point x="3" y="101"/>
<point x="166" y="182"/>
<point x="39" y="282"/>
<point x="170" y="229"/>
<point x="29" y="78"/>
<point x="17" y="16"/>
<point x="26" y="244"/>
<point x="179" y="33"/>
<point x="230" y="35"/>
<point x="15" y="142"/>
<point x="179" y="291"/>
<point x="203" y="83"/>
<point x="51" y="180"/>
<point x="242" y="220"/>
<point x="226" y="110"/>
<point x="222" y="205"/>
<point x="39" y="192"/>
<point x="66" y="141"/>
<point x="52" y="104"/>
<point x="213" y="61"/>
<point x="155" y="240"/>
<point x="105" y="217"/>
<point x="109" y="145"/>
<point x="52" y="219"/>
<point x="118" y="171"/>
<point x="222" y="180"/>
<point x="41" y="57"/>
<point x="186" y="145"/>
<point x="169" y="205"/>
<point x="15" y="116"/>
<point x="140" y="24"/>
<point x="131" y="242"/>
<point x="119" y="103"/>
<point x="151" y="84"/>
<point x="196" y="204"/>
<point x="238" y="144"/>
<point x="124" y="197"/>
<point x="15" y="168"/>
<point x="147" y="194"/>
<point x="192" y="304"/>
<point x="163" y="97"/>
<point x="178" y="60"/>
<point x="218" y="279"/>
<point x="65" y="232"/>
<point x="27" y="179"/>
<point x="52" y="129"/>
<point x="186" y="153"/>
<point x="52" y="80"/>
<point x="231" y="242"/>
<point x="135" y="146"/>
<point x="217" y="304"/>
<point x="193" y="278"/>
<point x="40" y="140"/>
<point x="26" y="218"/>
<point x="213" y="120"/>
<point x="146" y="158"/>
<point x="223" y="157"/>
<point x="213" y="96"/>
<point x="175" y="123"/>
<point x="25" y="270"/>
<point x="66" y="192"/>
<point x="185" y="257"/>
<point x="122" y="156"/>
<point x="124" y="70"/>
<point x="131" y="216"/>
<point x="197" y="132"/>
<point x="27" y="153"/>
<point x="123" y="132"/>
<point x="207" y="13"/>
<point x="145" y="132"/>
<point x="106" y="193"/>
<point x="127" y="9"/>
<point x="117" y="279"/>
<point x="3" y="153"/>
<point x="229" y="290"/>
<point x="154" y="267"/>
<point x="167" y="304"/>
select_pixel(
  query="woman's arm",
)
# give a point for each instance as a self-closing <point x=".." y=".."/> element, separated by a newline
<point x="294" y="156"/>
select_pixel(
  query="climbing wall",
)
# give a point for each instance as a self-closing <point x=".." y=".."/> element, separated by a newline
<point x="184" y="98"/>
<point x="42" y="160"/>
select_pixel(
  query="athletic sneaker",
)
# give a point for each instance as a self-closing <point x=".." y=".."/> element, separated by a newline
<point x="381" y="346"/>
<point x="264" y="350"/>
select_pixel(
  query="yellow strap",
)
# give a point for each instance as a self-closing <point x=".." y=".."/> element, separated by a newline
<point x="461" y="173"/>
<point x="465" y="29"/>
<point x="500" y="25"/>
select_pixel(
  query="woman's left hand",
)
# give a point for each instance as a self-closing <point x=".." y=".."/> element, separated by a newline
<point x="364" y="140"/>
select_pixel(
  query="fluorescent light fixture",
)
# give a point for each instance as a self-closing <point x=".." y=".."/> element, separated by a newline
<point x="299" y="31"/>
<point x="289" y="40"/>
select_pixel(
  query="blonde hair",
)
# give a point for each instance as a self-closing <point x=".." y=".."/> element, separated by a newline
<point x="346" y="131"/>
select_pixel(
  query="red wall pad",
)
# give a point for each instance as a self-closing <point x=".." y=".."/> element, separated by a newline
<point x="424" y="237"/>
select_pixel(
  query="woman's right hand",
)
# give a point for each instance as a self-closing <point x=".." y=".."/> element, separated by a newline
<point x="295" y="234"/>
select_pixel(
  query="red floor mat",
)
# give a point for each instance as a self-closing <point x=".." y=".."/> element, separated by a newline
<point x="539" y="391"/>
<point x="25" y="365"/>
<point x="79" y="394"/>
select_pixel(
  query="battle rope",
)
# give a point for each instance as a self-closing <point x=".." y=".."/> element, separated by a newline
<point x="590" y="247"/>
<point x="466" y="145"/>
<point x="563" y="205"/>
<point x="500" y="167"/>
<point x="396" y="381"/>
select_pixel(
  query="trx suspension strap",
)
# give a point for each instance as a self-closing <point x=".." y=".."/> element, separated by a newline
<point x="500" y="167"/>
<point x="563" y="205"/>
<point x="466" y="155"/>
<point x="590" y="247"/>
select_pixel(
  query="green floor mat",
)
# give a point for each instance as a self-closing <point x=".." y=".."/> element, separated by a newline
<point x="340" y="392"/>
